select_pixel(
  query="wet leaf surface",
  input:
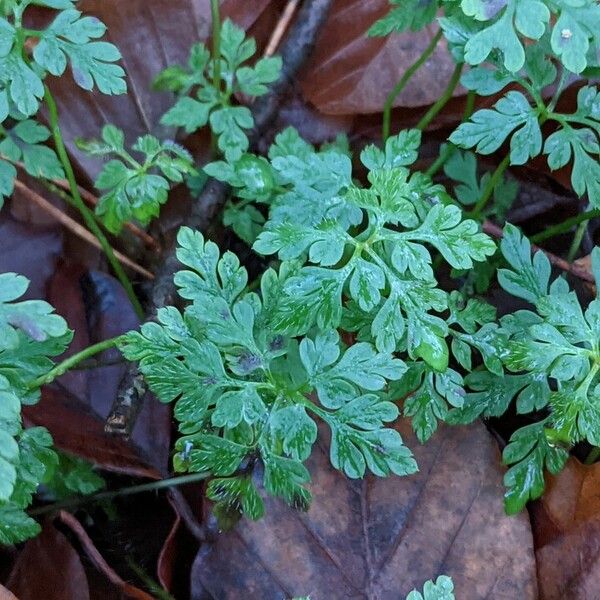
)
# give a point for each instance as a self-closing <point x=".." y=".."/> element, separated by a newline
<point x="380" y="538"/>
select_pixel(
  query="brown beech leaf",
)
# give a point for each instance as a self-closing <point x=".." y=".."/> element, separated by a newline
<point x="29" y="249"/>
<point x="151" y="35"/>
<point x="380" y="538"/>
<point x="48" y="567"/>
<point x="351" y="73"/>
<point x="566" y="524"/>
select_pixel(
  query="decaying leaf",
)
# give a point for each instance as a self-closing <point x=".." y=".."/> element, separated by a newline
<point x="351" y="73"/>
<point x="566" y="524"/>
<point x="380" y="538"/>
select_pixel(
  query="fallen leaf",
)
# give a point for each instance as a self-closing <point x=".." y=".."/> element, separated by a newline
<point x="77" y="430"/>
<point x="6" y="594"/>
<point x="380" y="538"/>
<point x="351" y="73"/>
<point x="49" y="568"/>
<point x="44" y="244"/>
<point x="566" y="525"/>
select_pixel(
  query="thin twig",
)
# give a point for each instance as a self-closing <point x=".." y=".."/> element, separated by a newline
<point x="572" y="268"/>
<point x="76" y="228"/>
<point x="294" y="52"/>
<point x="281" y="27"/>
<point x="60" y="186"/>
<point x="92" y="200"/>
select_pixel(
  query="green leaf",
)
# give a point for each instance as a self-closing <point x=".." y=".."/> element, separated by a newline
<point x="382" y="451"/>
<point x="135" y="191"/>
<point x="529" y="276"/>
<point x="442" y="589"/>
<point x="360" y="366"/>
<point x="508" y="19"/>
<point x="488" y="129"/>
<point x="296" y="430"/>
<point x="70" y="37"/>
<point x="236" y="406"/>
<point x="209" y="275"/>
<point x="284" y="477"/>
<point x="8" y="174"/>
<point x="23" y="83"/>
<point x="235" y="48"/>
<point x="229" y="124"/>
<point x="459" y="241"/>
<point x="16" y="526"/>
<point x="529" y="452"/>
<point x="215" y="454"/>
<point x="577" y="24"/>
<point x="486" y="82"/>
<point x="73" y="475"/>
<point x="189" y="113"/>
<point x="411" y="14"/>
<point x="582" y="146"/>
<point x="235" y="495"/>
<point x="35" y="318"/>
<point x="252" y="80"/>
<point x="400" y="150"/>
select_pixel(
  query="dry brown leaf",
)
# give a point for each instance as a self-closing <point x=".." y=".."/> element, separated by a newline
<point x="49" y="568"/>
<point x="566" y="524"/>
<point x="351" y="73"/>
<point x="380" y="538"/>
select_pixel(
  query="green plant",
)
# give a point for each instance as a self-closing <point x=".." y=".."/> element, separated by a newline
<point x="71" y="39"/>
<point x="30" y="335"/>
<point x="208" y="84"/>
<point x="134" y="190"/>
<point x="441" y="589"/>
<point x="249" y="372"/>
<point x="552" y="358"/>
<point x="348" y="326"/>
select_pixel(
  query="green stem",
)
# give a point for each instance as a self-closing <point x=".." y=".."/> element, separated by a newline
<point x="152" y="486"/>
<point x="577" y="239"/>
<point x="216" y="43"/>
<point x="565" y="226"/>
<point x="442" y="100"/>
<point x="72" y="361"/>
<point x="593" y="456"/>
<point x="450" y="148"/>
<point x="489" y="188"/>
<point x="389" y="102"/>
<point x="216" y="56"/>
<point x="86" y="213"/>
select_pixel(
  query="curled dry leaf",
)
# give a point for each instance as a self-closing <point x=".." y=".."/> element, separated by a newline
<point x="566" y="523"/>
<point x="380" y="538"/>
<point x="351" y="73"/>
